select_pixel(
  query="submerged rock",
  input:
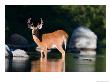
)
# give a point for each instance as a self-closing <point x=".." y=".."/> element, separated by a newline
<point x="19" y="53"/>
<point x="83" y="38"/>
<point x="15" y="53"/>
<point x="87" y="55"/>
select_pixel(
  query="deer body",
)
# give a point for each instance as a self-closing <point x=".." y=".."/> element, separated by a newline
<point x="50" y="40"/>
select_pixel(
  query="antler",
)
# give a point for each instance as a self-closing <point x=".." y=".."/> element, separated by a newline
<point x="41" y="21"/>
<point x="29" y="20"/>
<point x="29" y="23"/>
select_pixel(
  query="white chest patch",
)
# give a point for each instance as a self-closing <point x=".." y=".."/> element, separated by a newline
<point x="53" y="46"/>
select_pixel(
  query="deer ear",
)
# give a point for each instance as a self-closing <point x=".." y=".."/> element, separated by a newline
<point x="31" y="27"/>
<point x="39" y="26"/>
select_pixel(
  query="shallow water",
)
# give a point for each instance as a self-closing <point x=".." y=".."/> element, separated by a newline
<point x="83" y="62"/>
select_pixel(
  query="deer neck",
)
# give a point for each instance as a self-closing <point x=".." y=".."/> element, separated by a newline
<point x="35" y="35"/>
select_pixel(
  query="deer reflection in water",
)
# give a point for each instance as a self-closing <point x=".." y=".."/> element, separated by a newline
<point x="50" y="65"/>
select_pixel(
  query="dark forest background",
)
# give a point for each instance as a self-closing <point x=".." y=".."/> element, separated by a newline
<point x="66" y="17"/>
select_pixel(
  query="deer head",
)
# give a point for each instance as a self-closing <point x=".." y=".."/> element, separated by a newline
<point x="31" y="25"/>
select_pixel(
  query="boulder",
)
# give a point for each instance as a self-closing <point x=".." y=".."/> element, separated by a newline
<point x="17" y="41"/>
<point x="8" y="52"/>
<point x="20" y="53"/>
<point x="83" y="38"/>
<point x="15" y="53"/>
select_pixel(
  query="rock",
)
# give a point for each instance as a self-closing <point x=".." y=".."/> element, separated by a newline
<point x="18" y="41"/>
<point x="15" y="53"/>
<point x="87" y="55"/>
<point x="83" y="37"/>
<point x="19" y="53"/>
<point x="8" y="52"/>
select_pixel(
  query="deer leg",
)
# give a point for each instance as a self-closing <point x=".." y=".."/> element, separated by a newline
<point x="41" y="55"/>
<point x="45" y="53"/>
<point x="62" y="52"/>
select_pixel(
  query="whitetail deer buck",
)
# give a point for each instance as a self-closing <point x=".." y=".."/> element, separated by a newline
<point x="50" y="40"/>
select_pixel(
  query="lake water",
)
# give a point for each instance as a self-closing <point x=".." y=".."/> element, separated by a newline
<point x="74" y="62"/>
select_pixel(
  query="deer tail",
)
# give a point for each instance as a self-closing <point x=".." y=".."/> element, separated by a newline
<point x="65" y="40"/>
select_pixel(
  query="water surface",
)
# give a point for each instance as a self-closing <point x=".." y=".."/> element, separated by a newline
<point x="74" y="62"/>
